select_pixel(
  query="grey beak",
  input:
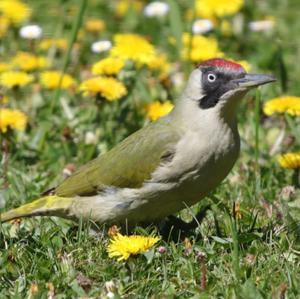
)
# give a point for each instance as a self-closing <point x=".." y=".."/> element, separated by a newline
<point x="253" y="80"/>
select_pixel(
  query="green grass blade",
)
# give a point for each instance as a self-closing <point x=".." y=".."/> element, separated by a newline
<point x="75" y="29"/>
<point x="291" y="123"/>
<point x="235" y="250"/>
<point x="176" y="24"/>
<point x="256" y="137"/>
<point x="257" y="124"/>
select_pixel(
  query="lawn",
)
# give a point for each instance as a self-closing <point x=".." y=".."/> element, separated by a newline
<point x="248" y="245"/>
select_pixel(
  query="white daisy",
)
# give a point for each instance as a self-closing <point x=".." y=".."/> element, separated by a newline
<point x="261" y="26"/>
<point x="202" y="26"/>
<point x="90" y="138"/>
<point x="31" y="32"/>
<point x="101" y="46"/>
<point x="156" y="9"/>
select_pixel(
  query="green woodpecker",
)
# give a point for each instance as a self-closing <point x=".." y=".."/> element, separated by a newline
<point x="165" y="166"/>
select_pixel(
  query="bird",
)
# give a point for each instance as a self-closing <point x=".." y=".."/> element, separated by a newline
<point x="167" y="165"/>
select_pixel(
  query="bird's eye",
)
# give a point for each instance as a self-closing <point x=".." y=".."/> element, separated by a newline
<point x="211" y="77"/>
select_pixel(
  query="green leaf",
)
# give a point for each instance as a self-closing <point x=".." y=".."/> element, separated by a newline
<point x="77" y="288"/>
<point x="249" y="291"/>
<point x="222" y="240"/>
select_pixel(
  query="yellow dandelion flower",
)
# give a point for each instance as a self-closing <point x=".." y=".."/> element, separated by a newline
<point x="12" y="79"/>
<point x="288" y="104"/>
<point x="113" y="231"/>
<point x="123" y="247"/>
<point x="94" y="25"/>
<point x="200" y="48"/>
<point x="123" y="6"/>
<point x="59" y="43"/>
<point x="245" y="64"/>
<point x="14" y="10"/>
<point x="161" y="64"/>
<point x="33" y="290"/>
<point x="189" y="15"/>
<point x="172" y="40"/>
<point x="12" y="119"/>
<point x="108" y="66"/>
<point x="133" y="47"/>
<point x="218" y="8"/>
<point x="226" y="27"/>
<point x="29" y="62"/>
<point x="4" y="67"/>
<point x="237" y="210"/>
<point x="51" y="80"/>
<point x="157" y="110"/>
<point x="4" y="25"/>
<point x="289" y="160"/>
<point x="109" y="88"/>
<point x="3" y="99"/>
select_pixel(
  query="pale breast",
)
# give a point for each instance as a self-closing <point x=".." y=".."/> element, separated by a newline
<point x="206" y="156"/>
<point x="198" y="167"/>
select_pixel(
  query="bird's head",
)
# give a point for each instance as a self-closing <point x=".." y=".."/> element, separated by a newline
<point x="217" y="86"/>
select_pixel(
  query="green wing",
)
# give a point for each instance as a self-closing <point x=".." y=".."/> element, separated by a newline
<point x="128" y="164"/>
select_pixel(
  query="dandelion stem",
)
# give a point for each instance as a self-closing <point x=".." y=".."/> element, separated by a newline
<point x="203" y="273"/>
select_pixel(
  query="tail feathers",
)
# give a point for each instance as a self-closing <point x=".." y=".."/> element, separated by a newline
<point x="49" y="205"/>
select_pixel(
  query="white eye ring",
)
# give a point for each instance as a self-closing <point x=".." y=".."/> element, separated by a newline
<point x="211" y="77"/>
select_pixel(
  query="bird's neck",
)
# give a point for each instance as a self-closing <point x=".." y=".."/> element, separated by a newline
<point x="188" y="113"/>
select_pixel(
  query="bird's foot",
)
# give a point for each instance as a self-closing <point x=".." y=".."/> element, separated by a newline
<point x="176" y="229"/>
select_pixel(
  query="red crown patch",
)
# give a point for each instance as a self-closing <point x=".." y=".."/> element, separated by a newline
<point x="219" y="62"/>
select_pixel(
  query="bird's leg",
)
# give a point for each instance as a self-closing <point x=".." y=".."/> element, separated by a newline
<point x="176" y="228"/>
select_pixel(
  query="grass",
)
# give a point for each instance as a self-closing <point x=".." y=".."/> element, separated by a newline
<point x="256" y="255"/>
